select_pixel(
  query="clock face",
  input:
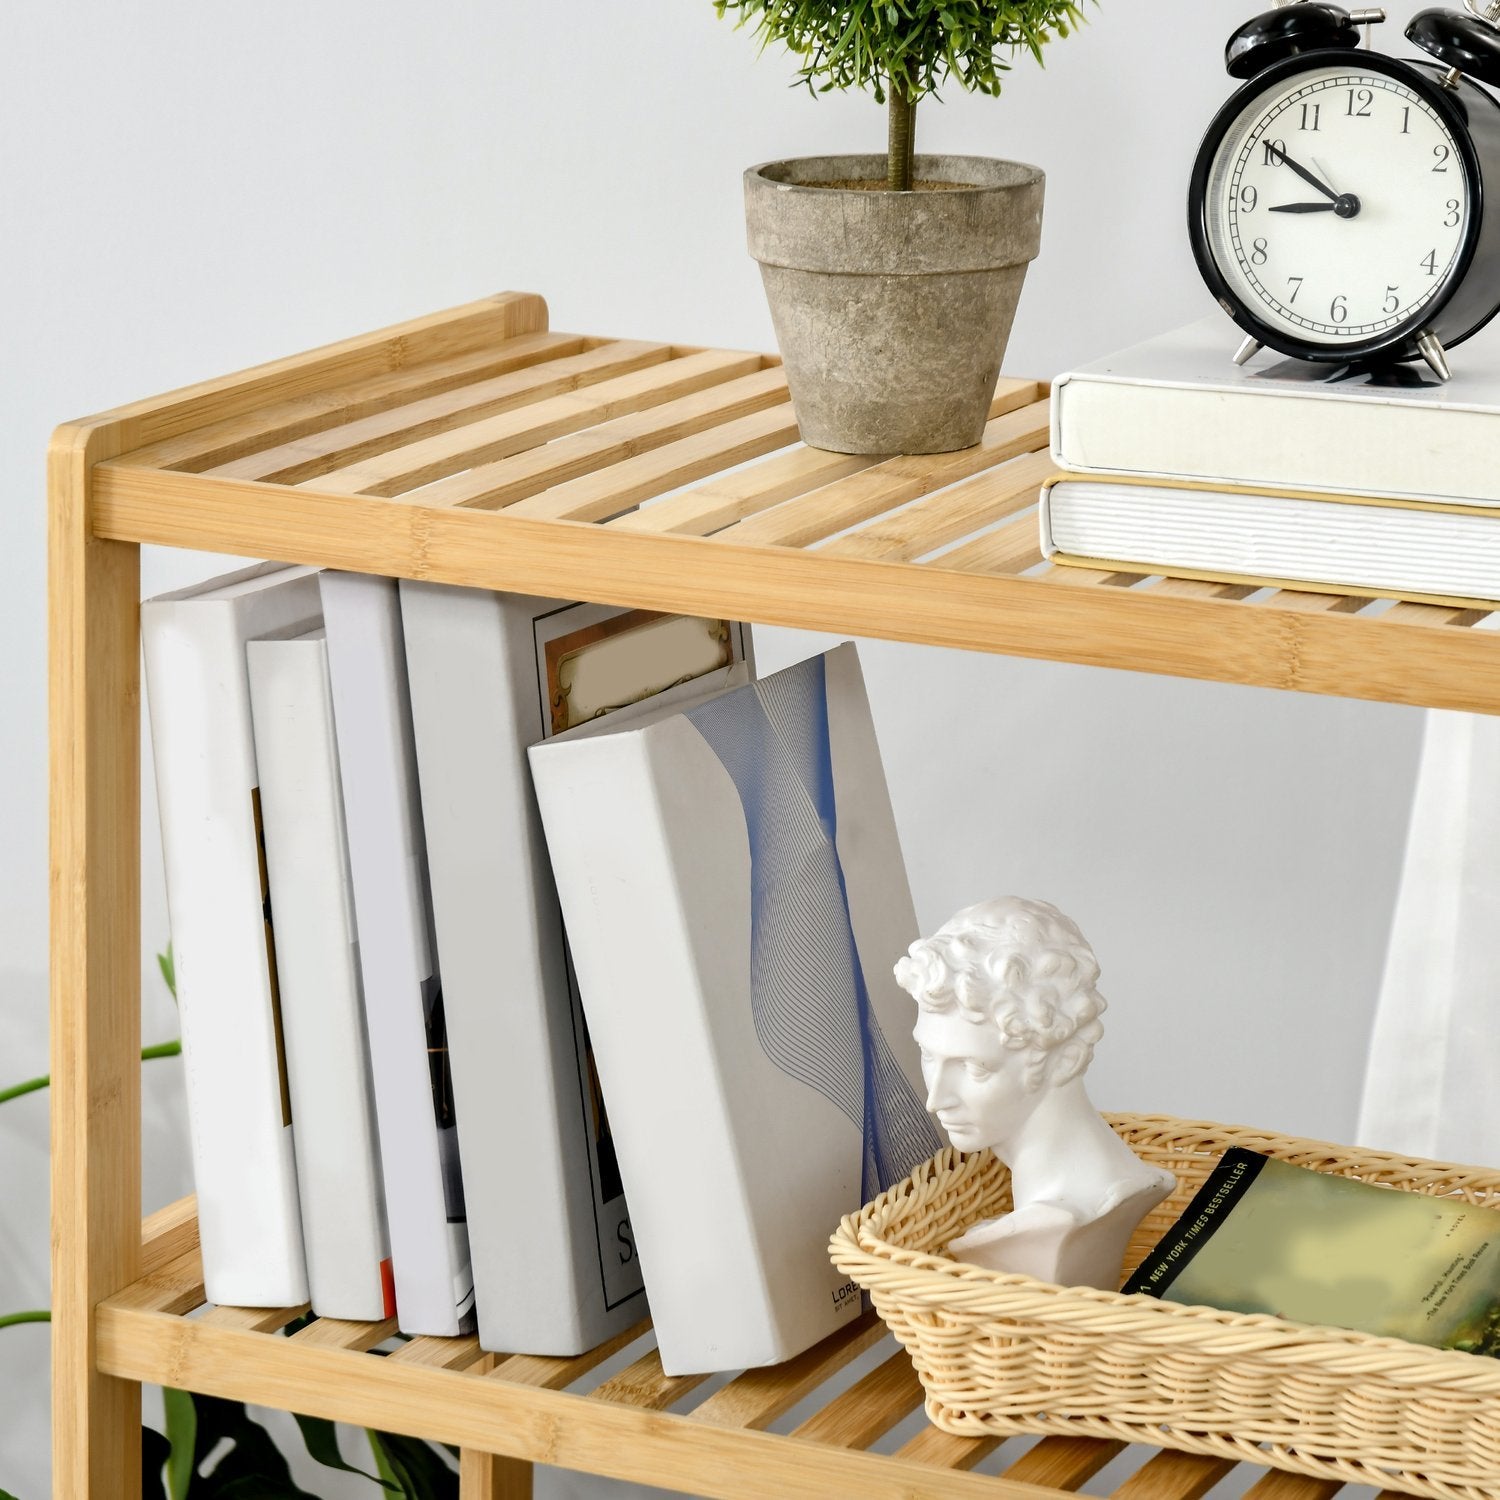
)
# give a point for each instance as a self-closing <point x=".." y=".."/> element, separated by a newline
<point x="1337" y="205"/>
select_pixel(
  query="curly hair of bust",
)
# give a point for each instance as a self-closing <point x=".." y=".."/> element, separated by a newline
<point x="1020" y="964"/>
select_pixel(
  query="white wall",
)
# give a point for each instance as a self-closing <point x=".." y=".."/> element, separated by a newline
<point x="187" y="188"/>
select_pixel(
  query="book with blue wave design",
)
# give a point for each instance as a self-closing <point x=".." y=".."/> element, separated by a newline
<point x="734" y="892"/>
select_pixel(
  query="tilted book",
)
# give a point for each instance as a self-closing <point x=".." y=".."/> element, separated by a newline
<point x="735" y="899"/>
<point x="1177" y="406"/>
<point x="1441" y="553"/>
<point x="1264" y="1236"/>
<point x="414" y="1107"/>
<point x="322" y="1009"/>
<point x="219" y="902"/>
<point x="555" y="1267"/>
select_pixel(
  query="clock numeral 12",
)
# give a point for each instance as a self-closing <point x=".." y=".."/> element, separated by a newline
<point x="1365" y="97"/>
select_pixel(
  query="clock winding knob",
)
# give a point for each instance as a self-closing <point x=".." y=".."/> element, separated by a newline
<point x="1303" y="26"/>
<point x="1467" y="43"/>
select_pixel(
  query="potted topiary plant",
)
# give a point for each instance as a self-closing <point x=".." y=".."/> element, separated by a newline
<point x="893" y="280"/>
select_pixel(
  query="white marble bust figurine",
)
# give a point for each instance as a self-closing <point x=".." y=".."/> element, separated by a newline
<point x="1008" y="1014"/>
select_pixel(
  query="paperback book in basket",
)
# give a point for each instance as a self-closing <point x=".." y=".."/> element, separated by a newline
<point x="555" y="1268"/>
<point x="208" y="791"/>
<point x="735" y="898"/>
<point x="1264" y="1236"/>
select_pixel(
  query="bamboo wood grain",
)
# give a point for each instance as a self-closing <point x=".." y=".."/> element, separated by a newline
<point x="646" y="1385"/>
<point x="1311" y="603"/>
<point x="557" y="1372"/>
<point x="948" y="515"/>
<point x="1200" y="588"/>
<point x="458" y="330"/>
<point x="339" y="1333"/>
<point x="1063" y="1463"/>
<point x="869" y="1408"/>
<point x="933" y="603"/>
<point x="442" y="1353"/>
<point x="1402" y="612"/>
<point x="947" y="1450"/>
<point x="487" y="1476"/>
<point x="757" y="1397"/>
<point x="1010" y="548"/>
<point x="332" y="447"/>
<point x="176" y="1287"/>
<point x="542" y="1426"/>
<point x="1277" y="1484"/>
<point x="492" y="486"/>
<point x="252" y="1319"/>
<point x="279" y="421"/>
<point x="598" y="496"/>
<point x="168" y="1233"/>
<point x="94" y="720"/>
<point x="731" y="497"/>
<point x="1174" y="1476"/>
<point x="1071" y="576"/>
<point x="847" y="502"/>
<point x="491" y="439"/>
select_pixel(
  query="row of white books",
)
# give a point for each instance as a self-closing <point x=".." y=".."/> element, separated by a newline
<point x="396" y="1085"/>
<point x="1280" y="472"/>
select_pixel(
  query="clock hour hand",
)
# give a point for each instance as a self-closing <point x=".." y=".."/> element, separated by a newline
<point x="1275" y="150"/>
<point x="1302" y="208"/>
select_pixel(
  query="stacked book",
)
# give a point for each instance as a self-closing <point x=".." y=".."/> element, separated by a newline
<point x="1280" y="472"/>
<point x="533" y="959"/>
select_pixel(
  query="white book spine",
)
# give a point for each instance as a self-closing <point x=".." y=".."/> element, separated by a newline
<point x="240" y="1119"/>
<point x="737" y="1090"/>
<point x="328" y="1067"/>
<point x="398" y="959"/>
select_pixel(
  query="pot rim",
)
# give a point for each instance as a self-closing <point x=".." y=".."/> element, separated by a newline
<point x="1029" y="174"/>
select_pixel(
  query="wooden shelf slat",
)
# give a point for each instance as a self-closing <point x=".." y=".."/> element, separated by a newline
<point x="947" y="1450"/>
<point x="1063" y="1463"/>
<point x="869" y="1408"/>
<point x="1174" y="1476"/>
<point x="646" y="1385"/>
<point x="337" y="1333"/>
<point x="251" y="1319"/>
<point x="442" y="1354"/>
<point x="557" y="1372"/>
<point x="348" y="442"/>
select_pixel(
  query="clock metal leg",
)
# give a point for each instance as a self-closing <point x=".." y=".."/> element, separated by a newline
<point x="1437" y="360"/>
<point x="1247" y="351"/>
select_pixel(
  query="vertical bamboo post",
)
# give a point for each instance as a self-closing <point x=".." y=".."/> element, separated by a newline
<point x="488" y="1476"/>
<point x="94" y="707"/>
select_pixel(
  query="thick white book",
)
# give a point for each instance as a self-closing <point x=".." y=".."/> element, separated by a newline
<point x="735" y="900"/>
<point x="1177" y="406"/>
<point x="403" y="992"/>
<point x="208" y="791"/>
<point x="1444" y="553"/>
<point x="555" y="1267"/>
<point x="322" y="1009"/>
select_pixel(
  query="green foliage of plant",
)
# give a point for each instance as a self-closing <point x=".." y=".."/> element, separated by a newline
<point x="909" y="46"/>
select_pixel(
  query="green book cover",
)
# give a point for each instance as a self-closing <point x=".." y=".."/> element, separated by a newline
<point x="1263" y="1236"/>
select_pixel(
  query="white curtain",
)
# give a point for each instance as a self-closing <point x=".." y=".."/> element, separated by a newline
<point x="1432" y="1085"/>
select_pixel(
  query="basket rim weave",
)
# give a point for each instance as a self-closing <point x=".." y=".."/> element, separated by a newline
<point x="921" y="1280"/>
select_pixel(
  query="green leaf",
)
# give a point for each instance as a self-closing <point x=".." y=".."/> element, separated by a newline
<point x="419" y="1472"/>
<point x="155" y="1451"/>
<point x="322" y="1441"/>
<point x="182" y="1441"/>
<point x="253" y="1467"/>
<point x="168" y="966"/>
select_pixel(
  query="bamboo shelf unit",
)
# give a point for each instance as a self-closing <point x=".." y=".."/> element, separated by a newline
<point x="476" y="447"/>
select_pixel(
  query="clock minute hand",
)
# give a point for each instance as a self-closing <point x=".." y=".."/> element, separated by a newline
<point x="1301" y="171"/>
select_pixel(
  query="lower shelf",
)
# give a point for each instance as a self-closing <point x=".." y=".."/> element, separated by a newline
<point x="607" y="1412"/>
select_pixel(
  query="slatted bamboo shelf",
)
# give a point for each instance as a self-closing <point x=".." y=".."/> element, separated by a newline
<point x="477" y="447"/>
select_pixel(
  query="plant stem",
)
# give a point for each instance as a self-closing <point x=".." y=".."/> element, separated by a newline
<point x="33" y="1085"/>
<point x="902" y="139"/>
<point x="37" y="1315"/>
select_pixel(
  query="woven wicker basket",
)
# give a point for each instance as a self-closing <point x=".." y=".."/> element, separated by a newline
<point x="1007" y="1354"/>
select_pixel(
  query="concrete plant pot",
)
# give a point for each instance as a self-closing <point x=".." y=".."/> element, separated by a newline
<point x="892" y="310"/>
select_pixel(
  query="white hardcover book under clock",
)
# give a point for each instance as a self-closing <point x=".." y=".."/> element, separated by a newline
<point x="555" y="1266"/>
<point x="322" y="1009"/>
<point x="398" y="958"/>
<point x="208" y="789"/>
<point x="735" y="898"/>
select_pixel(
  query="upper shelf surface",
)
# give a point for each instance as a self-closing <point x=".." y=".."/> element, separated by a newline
<point x="477" y="447"/>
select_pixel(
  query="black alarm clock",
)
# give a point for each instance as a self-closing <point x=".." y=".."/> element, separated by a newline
<point x="1340" y="207"/>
